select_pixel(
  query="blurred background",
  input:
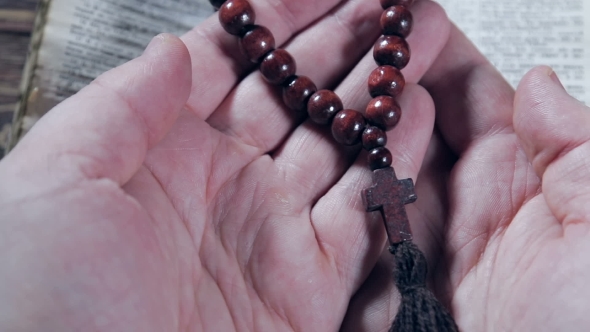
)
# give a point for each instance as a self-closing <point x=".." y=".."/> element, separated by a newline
<point x="16" y="24"/>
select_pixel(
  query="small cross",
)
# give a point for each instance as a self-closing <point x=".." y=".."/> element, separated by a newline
<point x="390" y="195"/>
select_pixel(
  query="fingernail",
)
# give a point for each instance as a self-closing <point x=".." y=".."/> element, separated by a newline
<point x="155" y="43"/>
<point x="556" y="80"/>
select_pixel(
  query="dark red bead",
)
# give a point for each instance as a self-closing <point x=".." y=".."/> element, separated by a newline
<point x="397" y="20"/>
<point x="348" y="126"/>
<point x="379" y="158"/>
<point x="297" y="92"/>
<point x="236" y="16"/>
<point x="388" y="3"/>
<point x="323" y="106"/>
<point x="216" y="3"/>
<point x="373" y="137"/>
<point x="392" y="51"/>
<point x="256" y="43"/>
<point x="278" y="66"/>
<point x="383" y="112"/>
<point x="386" y="80"/>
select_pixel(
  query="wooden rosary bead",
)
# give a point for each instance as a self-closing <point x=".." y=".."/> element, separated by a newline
<point x="348" y="127"/>
<point x="383" y="112"/>
<point x="216" y="3"/>
<point x="298" y="91"/>
<point x="388" y="3"/>
<point x="257" y="42"/>
<point x="373" y="137"/>
<point x="323" y="106"/>
<point x="278" y="66"/>
<point x="386" y="80"/>
<point x="379" y="158"/>
<point x="236" y="15"/>
<point x="392" y="51"/>
<point x="397" y="20"/>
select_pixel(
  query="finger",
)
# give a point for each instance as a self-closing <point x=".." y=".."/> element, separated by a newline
<point x="472" y="98"/>
<point x="258" y="103"/>
<point x="429" y="36"/>
<point x="323" y="52"/>
<point x="375" y="304"/>
<point x="311" y="154"/>
<point x="105" y="130"/>
<point x="217" y="62"/>
<point x="346" y="232"/>
<point x="432" y="207"/>
<point x="553" y="128"/>
<point x="312" y="161"/>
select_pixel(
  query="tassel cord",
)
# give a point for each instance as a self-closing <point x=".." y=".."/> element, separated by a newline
<point x="419" y="309"/>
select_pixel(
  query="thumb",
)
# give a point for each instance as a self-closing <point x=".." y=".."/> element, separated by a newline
<point x="105" y="130"/>
<point x="554" y="129"/>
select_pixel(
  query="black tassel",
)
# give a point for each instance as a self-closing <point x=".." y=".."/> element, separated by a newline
<point x="419" y="310"/>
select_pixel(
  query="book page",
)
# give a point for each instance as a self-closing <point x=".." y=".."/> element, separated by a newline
<point x="77" y="40"/>
<point x="517" y="35"/>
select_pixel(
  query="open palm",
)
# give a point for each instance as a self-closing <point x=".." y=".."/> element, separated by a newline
<point x="503" y="216"/>
<point x="177" y="193"/>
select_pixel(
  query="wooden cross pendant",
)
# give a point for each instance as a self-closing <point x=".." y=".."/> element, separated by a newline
<point x="390" y="195"/>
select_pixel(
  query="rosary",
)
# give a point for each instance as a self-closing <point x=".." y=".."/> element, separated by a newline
<point x="419" y="310"/>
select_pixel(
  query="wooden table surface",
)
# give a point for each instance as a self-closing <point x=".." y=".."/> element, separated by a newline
<point x="16" y="23"/>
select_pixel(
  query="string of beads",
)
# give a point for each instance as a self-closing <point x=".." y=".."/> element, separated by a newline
<point x="419" y="310"/>
<point x="324" y="107"/>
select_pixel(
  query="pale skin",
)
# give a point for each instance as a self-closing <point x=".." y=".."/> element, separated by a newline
<point x="176" y="193"/>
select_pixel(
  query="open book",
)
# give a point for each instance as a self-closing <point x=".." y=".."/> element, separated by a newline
<point x="76" y="40"/>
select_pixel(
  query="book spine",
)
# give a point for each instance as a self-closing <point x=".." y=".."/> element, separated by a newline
<point x="27" y="91"/>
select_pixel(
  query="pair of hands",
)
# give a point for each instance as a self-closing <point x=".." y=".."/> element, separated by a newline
<point x="177" y="193"/>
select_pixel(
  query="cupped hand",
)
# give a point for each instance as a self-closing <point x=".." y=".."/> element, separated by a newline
<point x="502" y="213"/>
<point x="177" y="193"/>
